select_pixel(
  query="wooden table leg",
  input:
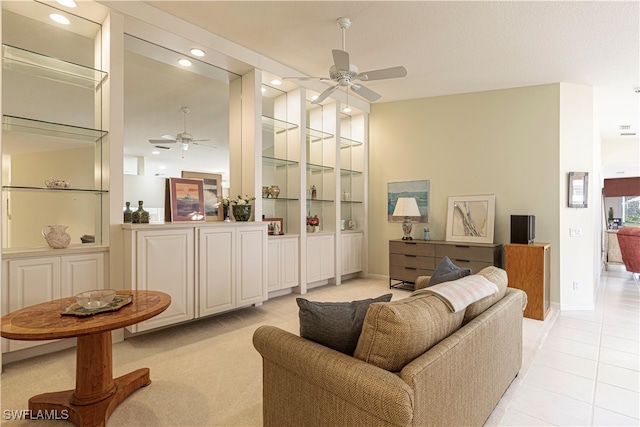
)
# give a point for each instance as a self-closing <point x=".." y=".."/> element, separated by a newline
<point x="96" y="394"/>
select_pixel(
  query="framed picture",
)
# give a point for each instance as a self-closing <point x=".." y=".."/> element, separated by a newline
<point x="416" y="189"/>
<point x="212" y="193"/>
<point x="275" y="226"/>
<point x="186" y="200"/>
<point x="578" y="189"/>
<point x="470" y="219"/>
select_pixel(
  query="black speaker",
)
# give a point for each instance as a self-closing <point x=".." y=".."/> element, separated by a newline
<point x="523" y="229"/>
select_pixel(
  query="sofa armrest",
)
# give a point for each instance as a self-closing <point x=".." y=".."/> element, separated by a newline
<point x="422" y="282"/>
<point x="304" y="382"/>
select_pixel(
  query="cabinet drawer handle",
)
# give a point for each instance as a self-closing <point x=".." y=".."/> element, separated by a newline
<point x="410" y="268"/>
<point x="411" y="256"/>
<point x="410" y="243"/>
<point x="462" y="246"/>
<point x="462" y="260"/>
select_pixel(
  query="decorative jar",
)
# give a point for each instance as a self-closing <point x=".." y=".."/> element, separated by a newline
<point x="127" y="213"/>
<point x="241" y="212"/>
<point x="274" y="191"/>
<point x="56" y="236"/>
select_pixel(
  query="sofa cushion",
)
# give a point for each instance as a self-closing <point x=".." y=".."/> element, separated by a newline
<point x="336" y="325"/>
<point x="497" y="276"/>
<point x="395" y="333"/>
<point x="447" y="271"/>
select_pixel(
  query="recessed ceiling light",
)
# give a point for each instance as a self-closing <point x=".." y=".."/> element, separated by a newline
<point x="162" y="167"/>
<point x="155" y="152"/>
<point x="59" y="19"/>
<point x="184" y="62"/>
<point x="276" y="82"/>
<point x="314" y="97"/>
<point x="67" y="3"/>
<point x="197" y="52"/>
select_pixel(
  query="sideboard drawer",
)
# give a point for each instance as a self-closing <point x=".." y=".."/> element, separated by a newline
<point x="462" y="252"/>
<point x="412" y="261"/>
<point x="407" y="274"/>
<point x="475" y="266"/>
<point x="411" y="248"/>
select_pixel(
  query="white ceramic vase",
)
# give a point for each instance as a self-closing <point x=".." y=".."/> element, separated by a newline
<point x="56" y="236"/>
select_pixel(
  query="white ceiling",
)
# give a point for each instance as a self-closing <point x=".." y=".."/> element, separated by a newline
<point x="448" y="47"/>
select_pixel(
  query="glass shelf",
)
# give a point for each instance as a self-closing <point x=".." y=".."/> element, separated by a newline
<point x="274" y="161"/>
<point x="66" y="190"/>
<point x="347" y="143"/>
<point x="35" y="64"/>
<point x="320" y="200"/>
<point x="351" y="201"/>
<point x="318" y="168"/>
<point x="21" y="124"/>
<point x="314" y="135"/>
<point x="286" y="199"/>
<point x="275" y="125"/>
<point x="348" y="172"/>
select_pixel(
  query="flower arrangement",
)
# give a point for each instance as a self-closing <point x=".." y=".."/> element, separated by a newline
<point x="313" y="221"/>
<point x="240" y="200"/>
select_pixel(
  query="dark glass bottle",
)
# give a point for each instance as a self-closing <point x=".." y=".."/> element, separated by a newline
<point x="140" y="216"/>
<point x="128" y="213"/>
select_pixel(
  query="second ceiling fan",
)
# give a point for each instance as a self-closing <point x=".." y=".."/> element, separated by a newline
<point x="348" y="76"/>
<point x="184" y="138"/>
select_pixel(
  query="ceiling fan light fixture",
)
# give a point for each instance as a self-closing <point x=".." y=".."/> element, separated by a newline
<point x="197" y="52"/>
<point x="346" y="109"/>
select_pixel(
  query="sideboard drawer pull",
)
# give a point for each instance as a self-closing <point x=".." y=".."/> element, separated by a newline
<point x="411" y="256"/>
<point x="410" y="268"/>
<point x="462" y="260"/>
<point x="462" y="246"/>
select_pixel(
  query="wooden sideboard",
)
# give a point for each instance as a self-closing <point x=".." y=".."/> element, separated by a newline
<point x="529" y="269"/>
<point x="409" y="259"/>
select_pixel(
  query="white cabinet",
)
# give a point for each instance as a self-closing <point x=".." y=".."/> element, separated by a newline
<point x="206" y="269"/>
<point x="282" y="265"/>
<point x="351" y="252"/>
<point x="34" y="280"/>
<point x="320" y="257"/>
<point x="232" y="268"/>
<point x="164" y="261"/>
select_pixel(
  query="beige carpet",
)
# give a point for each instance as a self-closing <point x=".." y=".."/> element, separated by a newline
<point x="204" y="373"/>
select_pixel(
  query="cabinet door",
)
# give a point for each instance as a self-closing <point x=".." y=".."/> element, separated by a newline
<point x="165" y="263"/>
<point x="251" y="259"/>
<point x="80" y="273"/>
<point x="289" y="263"/>
<point x="32" y="281"/>
<point x="216" y="289"/>
<point x="314" y="254"/>
<point x="356" y="253"/>
<point x="273" y="265"/>
<point x="327" y="264"/>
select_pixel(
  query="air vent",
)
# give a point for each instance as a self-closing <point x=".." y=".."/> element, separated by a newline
<point x="162" y="148"/>
<point x="627" y="134"/>
<point x="624" y="127"/>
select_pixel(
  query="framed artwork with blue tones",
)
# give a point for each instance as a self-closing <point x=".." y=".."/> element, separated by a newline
<point x="416" y="189"/>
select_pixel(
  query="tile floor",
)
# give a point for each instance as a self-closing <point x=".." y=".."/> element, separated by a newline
<point x="586" y="372"/>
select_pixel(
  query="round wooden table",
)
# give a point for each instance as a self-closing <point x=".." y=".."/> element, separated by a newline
<point x="97" y="393"/>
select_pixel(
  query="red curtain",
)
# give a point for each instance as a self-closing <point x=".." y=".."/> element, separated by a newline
<point x="618" y="187"/>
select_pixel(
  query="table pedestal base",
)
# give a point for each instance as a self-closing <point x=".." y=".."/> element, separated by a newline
<point x="95" y="414"/>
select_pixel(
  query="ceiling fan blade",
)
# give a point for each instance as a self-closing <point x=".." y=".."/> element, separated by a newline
<point x="204" y="145"/>
<point x="365" y="92"/>
<point x="341" y="59"/>
<point x="306" y="78"/>
<point x="162" y="141"/>
<point x="325" y="94"/>
<point x="385" y="73"/>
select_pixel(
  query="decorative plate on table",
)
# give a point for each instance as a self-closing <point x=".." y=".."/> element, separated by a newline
<point x="119" y="301"/>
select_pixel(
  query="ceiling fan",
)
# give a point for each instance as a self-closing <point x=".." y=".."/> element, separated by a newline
<point x="346" y="74"/>
<point x="184" y="138"/>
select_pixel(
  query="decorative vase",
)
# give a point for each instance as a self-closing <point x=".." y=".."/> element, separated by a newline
<point x="265" y="192"/>
<point x="241" y="212"/>
<point x="274" y="191"/>
<point x="127" y="213"/>
<point x="56" y="236"/>
<point x="311" y="229"/>
<point x="140" y="216"/>
<point x="225" y="213"/>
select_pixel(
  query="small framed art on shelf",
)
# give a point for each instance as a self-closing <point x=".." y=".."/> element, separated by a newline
<point x="186" y="198"/>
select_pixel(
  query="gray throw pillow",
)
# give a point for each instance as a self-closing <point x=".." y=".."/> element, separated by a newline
<point x="336" y="325"/>
<point x="447" y="271"/>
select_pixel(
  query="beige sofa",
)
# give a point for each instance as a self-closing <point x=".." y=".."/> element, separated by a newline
<point x="457" y="381"/>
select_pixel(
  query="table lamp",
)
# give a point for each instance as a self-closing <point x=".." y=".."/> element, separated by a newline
<point x="406" y="207"/>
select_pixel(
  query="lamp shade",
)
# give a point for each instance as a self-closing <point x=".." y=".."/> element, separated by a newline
<point x="406" y="206"/>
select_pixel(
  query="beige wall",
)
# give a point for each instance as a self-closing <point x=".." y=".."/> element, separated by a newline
<point x="503" y="142"/>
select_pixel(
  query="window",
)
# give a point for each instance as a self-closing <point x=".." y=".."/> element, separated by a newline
<point x="630" y="209"/>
